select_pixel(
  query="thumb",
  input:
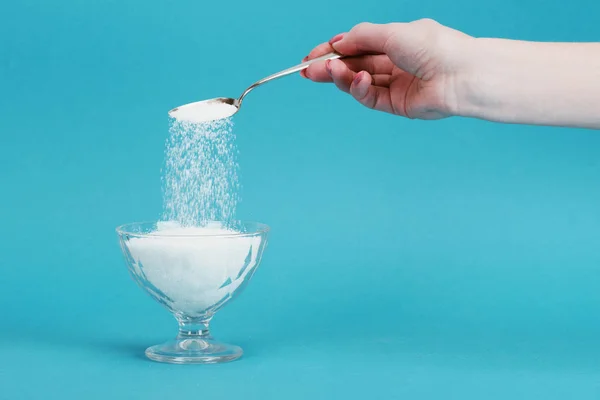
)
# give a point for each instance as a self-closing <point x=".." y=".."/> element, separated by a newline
<point x="365" y="38"/>
<point x="409" y="45"/>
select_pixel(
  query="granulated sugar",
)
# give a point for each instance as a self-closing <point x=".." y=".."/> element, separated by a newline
<point x="192" y="268"/>
<point x="204" y="111"/>
<point x="200" y="181"/>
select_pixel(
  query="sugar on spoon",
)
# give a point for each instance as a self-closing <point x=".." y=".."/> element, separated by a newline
<point x="224" y="107"/>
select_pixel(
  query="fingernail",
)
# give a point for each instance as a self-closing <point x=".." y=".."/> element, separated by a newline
<point x="328" y="66"/>
<point x="358" y="78"/>
<point x="336" y="38"/>
<point x="303" y="74"/>
<point x="305" y="59"/>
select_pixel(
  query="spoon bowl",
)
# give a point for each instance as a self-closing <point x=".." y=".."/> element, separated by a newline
<point x="217" y="108"/>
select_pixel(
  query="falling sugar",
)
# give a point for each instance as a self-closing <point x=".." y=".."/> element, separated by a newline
<point x="200" y="181"/>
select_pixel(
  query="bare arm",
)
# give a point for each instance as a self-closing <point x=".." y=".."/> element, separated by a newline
<point x="534" y="83"/>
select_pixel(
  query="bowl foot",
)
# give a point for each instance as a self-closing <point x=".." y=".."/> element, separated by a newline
<point x="193" y="351"/>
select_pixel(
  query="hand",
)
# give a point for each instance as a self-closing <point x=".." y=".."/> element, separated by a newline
<point x="409" y="69"/>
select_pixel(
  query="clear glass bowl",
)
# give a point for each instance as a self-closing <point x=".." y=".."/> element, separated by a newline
<point x="193" y="275"/>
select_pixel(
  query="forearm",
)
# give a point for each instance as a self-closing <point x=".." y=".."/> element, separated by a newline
<point x="532" y="83"/>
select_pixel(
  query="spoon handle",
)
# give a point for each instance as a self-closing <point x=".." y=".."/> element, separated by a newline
<point x="291" y="70"/>
<point x="300" y="67"/>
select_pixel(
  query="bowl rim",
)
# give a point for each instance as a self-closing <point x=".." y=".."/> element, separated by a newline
<point x="261" y="230"/>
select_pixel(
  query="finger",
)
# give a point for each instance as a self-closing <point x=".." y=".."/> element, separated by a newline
<point x="319" y="51"/>
<point x="375" y="97"/>
<point x="381" y="80"/>
<point x="323" y="76"/>
<point x="341" y="75"/>
<point x="365" y="38"/>
<point x="374" y="65"/>
<point x="324" y="48"/>
<point x="317" y="72"/>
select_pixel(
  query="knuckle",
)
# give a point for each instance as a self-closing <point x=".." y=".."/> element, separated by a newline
<point x="362" y="27"/>
<point x="427" y="28"/>
<point x="426" y="23"/>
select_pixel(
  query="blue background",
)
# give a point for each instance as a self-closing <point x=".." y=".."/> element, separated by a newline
<point x="455" y="259"/>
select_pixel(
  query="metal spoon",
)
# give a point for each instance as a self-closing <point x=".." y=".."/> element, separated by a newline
<point x="237" y="103"/>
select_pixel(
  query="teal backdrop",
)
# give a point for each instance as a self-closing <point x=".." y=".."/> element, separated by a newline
<point x="456" y="259"/>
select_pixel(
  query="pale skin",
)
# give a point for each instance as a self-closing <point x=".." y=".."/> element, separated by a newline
<point x="424" y="70"/>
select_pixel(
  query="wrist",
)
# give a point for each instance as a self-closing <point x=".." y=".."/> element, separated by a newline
<point x="481" y="81"/>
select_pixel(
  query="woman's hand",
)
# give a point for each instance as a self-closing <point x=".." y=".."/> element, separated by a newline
<point x="409" y="69"/>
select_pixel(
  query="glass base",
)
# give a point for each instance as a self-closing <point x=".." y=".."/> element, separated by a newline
<point x="193" y="351"/>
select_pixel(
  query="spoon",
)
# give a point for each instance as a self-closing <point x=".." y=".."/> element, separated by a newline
<point x="218" y="102"/>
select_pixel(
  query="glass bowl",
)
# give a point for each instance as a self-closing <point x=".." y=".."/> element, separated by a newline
<point x="193" y="272"/>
